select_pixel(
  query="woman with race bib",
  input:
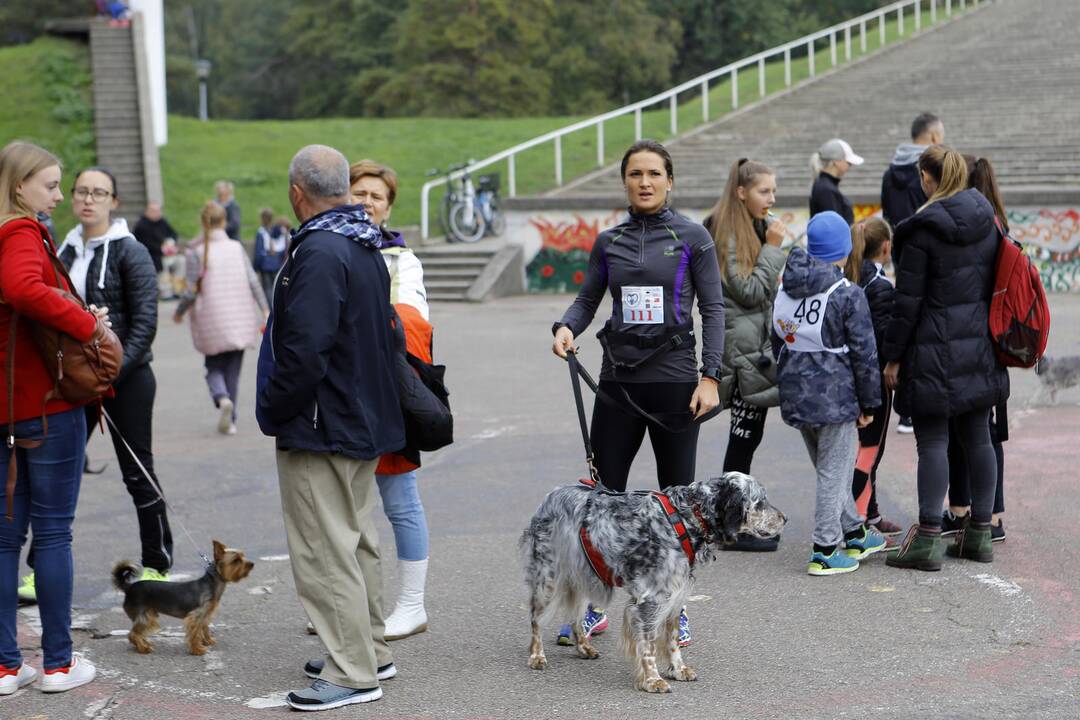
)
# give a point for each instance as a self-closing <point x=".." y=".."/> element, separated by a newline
<point x="654" y="264"/>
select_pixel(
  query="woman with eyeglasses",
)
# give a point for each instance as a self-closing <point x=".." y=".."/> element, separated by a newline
<point x="110" y="268"/>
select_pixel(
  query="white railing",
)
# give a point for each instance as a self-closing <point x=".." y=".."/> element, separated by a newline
<point x="880" y="17"/>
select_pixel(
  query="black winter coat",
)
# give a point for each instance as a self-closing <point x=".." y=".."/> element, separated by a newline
<point x="130" y="292"/>
<point x="152" y="233"/>
<point x="826" y="195"/>
<point x="880" y="294"/>
<point x="939" y="331"/>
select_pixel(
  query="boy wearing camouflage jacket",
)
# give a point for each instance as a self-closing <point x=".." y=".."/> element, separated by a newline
<point x="823" y="339"/>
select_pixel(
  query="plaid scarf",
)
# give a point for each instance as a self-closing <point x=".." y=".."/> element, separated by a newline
<point x="349" y="221"/>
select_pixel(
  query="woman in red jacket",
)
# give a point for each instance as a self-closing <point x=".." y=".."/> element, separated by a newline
<point x="41" y="459"/>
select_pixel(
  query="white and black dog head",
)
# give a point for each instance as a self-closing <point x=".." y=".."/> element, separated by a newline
<point x="739" y="506"/>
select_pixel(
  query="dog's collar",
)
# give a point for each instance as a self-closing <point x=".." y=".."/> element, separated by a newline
<point x="705" y="527"/>
<point x="211" y="568"/>
<point x="677" y="525"/>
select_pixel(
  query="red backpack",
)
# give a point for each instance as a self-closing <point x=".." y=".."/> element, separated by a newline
<point x="1019" y="313"/>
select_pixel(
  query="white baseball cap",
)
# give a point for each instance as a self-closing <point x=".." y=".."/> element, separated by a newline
<point x="837" y="149"/>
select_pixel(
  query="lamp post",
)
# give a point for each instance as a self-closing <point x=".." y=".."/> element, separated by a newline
<point x="202" y="71"/>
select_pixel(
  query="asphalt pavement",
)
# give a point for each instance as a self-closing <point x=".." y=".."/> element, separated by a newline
<point x="999" y="640"/>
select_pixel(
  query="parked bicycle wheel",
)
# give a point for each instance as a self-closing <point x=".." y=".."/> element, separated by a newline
<point x="466" y="223"/>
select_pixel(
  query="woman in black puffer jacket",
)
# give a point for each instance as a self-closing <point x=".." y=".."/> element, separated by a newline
<point x="940" y="355"/>
<point x="110" y="268"/>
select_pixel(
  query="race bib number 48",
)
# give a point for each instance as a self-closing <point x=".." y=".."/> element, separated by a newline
<point x="643" y="305"/>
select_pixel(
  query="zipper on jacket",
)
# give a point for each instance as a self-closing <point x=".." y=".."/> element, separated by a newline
<point x="641" y="247"/>
<point x="315" y="418"/>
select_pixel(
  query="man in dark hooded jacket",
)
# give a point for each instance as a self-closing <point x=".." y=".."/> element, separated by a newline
<point x="901" y="191"/>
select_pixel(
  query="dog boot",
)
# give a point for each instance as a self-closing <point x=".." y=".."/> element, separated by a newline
<point x="973" y="542"/>
<point x="921" y="550"/>
<point x="409" y="617"/>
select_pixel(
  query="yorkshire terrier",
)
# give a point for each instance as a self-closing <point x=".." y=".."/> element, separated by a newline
<point x="194" y="601"/>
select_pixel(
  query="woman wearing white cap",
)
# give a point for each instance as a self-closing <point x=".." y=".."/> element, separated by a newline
<point x="829" y="164"/>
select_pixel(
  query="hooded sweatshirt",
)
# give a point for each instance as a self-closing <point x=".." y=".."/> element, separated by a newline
<point x="901" y="190"/>
<point x="116" y="271"/>
<point x="833" y="385"/>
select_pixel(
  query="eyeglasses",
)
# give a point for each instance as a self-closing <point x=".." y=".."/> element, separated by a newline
<point x="98" y="194"/>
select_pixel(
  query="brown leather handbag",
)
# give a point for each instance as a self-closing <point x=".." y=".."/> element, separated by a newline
<point x="81" y="372"/>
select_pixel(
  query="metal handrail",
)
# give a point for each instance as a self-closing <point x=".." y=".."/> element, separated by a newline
<point x="732" y="69"/>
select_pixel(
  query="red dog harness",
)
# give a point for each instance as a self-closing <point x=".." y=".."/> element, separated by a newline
<point x="596" y="560"/>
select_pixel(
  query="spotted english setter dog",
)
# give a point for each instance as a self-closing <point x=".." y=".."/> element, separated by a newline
<point x="580" y="534"/>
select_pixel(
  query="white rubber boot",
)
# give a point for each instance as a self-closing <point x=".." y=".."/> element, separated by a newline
<point x="409" y="617"/>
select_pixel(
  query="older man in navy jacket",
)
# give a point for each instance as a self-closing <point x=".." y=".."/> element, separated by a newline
<point x="327" y="393"/>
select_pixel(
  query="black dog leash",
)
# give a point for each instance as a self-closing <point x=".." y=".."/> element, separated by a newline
<point x="157" y="489"/>
<point x="576" y="369"/>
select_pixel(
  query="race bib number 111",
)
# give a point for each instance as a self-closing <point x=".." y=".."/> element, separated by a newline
<point x="643" y="305"/>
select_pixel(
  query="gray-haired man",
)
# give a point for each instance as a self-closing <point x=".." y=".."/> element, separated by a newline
<point x="327" y="392"/>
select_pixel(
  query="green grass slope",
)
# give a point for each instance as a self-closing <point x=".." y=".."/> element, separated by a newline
<point x="45" y="99"/>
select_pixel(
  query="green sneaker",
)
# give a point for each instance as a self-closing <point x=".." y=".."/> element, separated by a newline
<point x="921" y="552"/>
<point x="973" y="543"/>
<point x="154" y="575"/>
<point x="27" y="591"/>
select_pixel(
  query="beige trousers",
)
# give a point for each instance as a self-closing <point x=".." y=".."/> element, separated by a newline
<point x="327" y="501"/>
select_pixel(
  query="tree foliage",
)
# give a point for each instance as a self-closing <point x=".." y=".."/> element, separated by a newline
<point x="465" y="58"/>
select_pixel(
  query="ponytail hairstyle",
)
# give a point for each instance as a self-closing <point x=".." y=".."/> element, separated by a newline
<point x="868" y="237"/>
<point x="731" y="220"/>
<point x="981" y="177"/>
<point x="212" y="217"/>
<point x="18" y="162"/>
<point x="817" y="165"/>
<point x="948" y="168"/>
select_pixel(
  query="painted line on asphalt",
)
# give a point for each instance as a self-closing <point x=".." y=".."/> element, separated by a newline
<point x="1005" y="587"/>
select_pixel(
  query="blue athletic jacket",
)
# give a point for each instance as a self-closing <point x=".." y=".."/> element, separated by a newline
<point x="663" y="250"/>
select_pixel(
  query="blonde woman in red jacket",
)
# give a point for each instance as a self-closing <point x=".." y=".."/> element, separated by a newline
<point x="41" y="459"/>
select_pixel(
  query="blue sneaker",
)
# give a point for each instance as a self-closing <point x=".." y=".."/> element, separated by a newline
<point x="869" y="543"/>
<point x="594" y="623"/>
<point x="684" y="629"/>
<point x="838" y="562"/>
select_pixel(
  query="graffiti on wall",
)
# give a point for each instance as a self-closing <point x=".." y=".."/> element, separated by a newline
<point x="1052" y="239"/>
<point x="565" y="245"/>
<point x="562" y="242"/>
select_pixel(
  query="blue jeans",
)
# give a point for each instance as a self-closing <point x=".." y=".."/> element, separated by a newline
<point x="401" y="503"/>
<point x="46" y="492"/>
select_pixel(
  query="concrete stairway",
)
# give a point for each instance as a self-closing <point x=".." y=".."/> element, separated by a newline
<point x="1005" y="79"/>
<point x="124" y="141"/>
<point x="450" y="270"/>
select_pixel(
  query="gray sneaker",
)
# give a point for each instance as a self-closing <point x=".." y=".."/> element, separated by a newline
<point x="323" y="695"/>
<point x="314" y="668"/>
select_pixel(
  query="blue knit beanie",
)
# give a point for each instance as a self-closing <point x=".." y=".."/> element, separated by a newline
<point x="828" y="237"/>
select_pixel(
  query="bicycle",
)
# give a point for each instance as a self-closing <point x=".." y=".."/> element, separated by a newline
<point x="470" y="211"/>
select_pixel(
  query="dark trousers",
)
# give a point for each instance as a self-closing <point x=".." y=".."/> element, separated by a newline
<point x="133" y="411"/>
<point x="266" y="279"/>
<point x="959" y="476"/>
<point x="747" y="429"/>
<point x="223" y="376"/>
<point x="871" y="450"/>
<point x="617" y="432"/>
<point x="932" y="441"/>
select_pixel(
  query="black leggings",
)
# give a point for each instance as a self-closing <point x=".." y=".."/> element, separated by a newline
<point x="932" y="441"/>
<point x="747" y="429"/>
<point x="959" y="480"/>
<point x="617" y="433"/>
<point x="132" y="410"/>
<point x="871" y="450"/>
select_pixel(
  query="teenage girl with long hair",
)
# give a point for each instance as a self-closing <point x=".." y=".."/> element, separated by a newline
<point x="227" y="302"/>
<point x="980" y="177"/>
<point x="940" y="356"/>
<point x="46" y="440"/>
<point x="871" y="243"/>
<point x="748" y="243"/>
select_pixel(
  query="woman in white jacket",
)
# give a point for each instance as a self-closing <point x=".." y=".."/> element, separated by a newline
<point x="375" y="187"/>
